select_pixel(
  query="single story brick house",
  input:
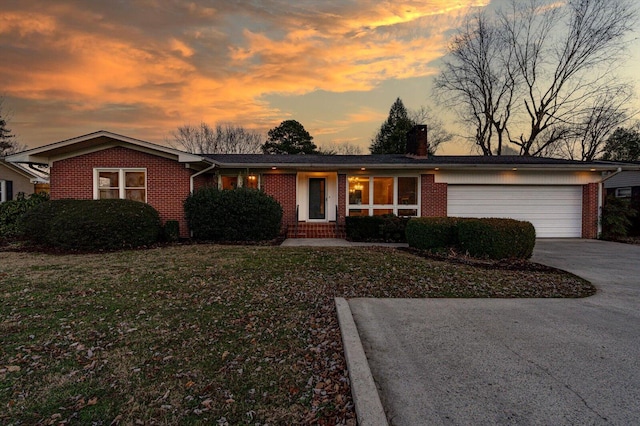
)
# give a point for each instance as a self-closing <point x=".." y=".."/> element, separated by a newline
<point x="562" y="198"/>
<point x="17" y="179"/>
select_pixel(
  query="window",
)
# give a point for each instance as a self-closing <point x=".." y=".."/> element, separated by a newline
<point x="250" y="181"/>
<point x="129" y="184"/>
<point x="229" y="182"/>
<point x="623" y="192"/>
<point x="380" y="195"/>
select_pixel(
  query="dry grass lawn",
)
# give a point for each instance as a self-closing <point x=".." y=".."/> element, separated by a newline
<point x="206" y="334"/>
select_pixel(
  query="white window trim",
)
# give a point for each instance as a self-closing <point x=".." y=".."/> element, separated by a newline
<point x="626" y="188"/>
<point x="121" y="180"/>
<point x="395" y="206"/>
<point x="3" y="191"/>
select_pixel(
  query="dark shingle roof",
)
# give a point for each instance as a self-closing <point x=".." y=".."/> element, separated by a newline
<point x="391" y="160"/>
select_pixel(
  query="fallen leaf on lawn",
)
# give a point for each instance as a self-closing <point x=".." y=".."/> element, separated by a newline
<point x="13" y="368"/>
<point x="93" y="401"/>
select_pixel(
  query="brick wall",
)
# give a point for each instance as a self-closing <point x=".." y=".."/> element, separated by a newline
<point x="167" y="180"/>
<point x="590" y="210"/>
<point x="282" y="187"/>
<point x="434" y="197"/>
<point x="342" y="199"/>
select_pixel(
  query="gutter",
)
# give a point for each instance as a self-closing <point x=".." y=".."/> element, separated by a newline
<point x="198" y="174"/>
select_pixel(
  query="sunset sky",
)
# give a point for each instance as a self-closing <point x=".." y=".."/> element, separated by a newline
<point x="142" y="68"/>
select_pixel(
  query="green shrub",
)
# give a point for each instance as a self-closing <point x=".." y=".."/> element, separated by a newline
<point x="432" y="233"/>
<point x="171" y="230"/>
<point x="11" y="211"/>
<point x="241" y="214"/>
<point x="497" y="238"/>
<point x="386" y="228"/>
<point x="617" y="215"/>
<point x="92" y="224"/>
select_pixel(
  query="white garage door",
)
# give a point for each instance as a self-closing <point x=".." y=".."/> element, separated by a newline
<point x="555" y="211"/>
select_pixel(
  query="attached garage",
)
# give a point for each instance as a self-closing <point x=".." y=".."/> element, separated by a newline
<point x="555" y="211"/>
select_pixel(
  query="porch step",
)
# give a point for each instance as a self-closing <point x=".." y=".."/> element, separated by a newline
<point x="316" y="230"/>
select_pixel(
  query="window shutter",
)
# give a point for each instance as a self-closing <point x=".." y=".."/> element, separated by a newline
<point x="9" y="188"/>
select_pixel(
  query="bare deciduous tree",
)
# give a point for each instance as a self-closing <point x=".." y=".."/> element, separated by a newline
<point x="223" y="139"/>
<point x="478" y="77"/>
<point x="587" y="139"/>
<point x="536" y="70"/>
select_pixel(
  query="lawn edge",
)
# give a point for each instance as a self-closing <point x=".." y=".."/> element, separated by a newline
<point x="369" y="410"/>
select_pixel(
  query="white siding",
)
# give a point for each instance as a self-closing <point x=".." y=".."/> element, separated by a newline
<point x="516" y="177"/>
<point x="555" y="211"/>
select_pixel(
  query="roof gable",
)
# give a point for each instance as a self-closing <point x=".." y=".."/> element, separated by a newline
<point x="95" y="142"/>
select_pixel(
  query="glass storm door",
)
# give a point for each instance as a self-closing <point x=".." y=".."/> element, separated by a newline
<point x="317" y="198"/>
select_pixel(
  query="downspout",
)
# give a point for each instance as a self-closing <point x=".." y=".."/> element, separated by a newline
<point x="198" y="174"/>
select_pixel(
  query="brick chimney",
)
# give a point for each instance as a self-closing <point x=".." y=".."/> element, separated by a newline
<point x="417" y="141"/>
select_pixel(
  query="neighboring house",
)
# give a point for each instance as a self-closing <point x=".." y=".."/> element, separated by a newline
<point x="562" y="198"/>
<point x="16" y="179"/>
<point x="624" y="184"/>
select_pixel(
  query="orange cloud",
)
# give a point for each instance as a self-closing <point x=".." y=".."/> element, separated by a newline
<point x="188" y="62"/>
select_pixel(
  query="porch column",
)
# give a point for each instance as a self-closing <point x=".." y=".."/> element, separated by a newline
<point x="590" y="210"/>
<point x="342" y="198"/>
<point x="434" y="197"/>
<point x="282" y="187"/>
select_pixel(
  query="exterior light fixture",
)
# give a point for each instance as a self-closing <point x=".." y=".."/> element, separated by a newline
<point x="363" y="168"/>
<point x="592" y="170"/>
<point x="514" y="169"/>
<point x="436" y="169"/>
<point x="273" y="168"/>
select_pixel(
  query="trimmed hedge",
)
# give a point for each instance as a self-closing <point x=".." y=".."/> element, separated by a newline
<point x="241" y="214"/>
<point x="486" y="237"/>
<point x="92" y="224"/>
<point x="11" y="211"/>
<point x="386" y="228"/>
<point x="432" y="233"/>
<point x="497" y="238"/>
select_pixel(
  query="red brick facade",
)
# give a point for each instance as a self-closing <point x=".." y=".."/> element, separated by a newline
<point x="168" y="185"/>
<point x="282" y="187"/>
<point x="167" y="180"/>
<point x="434" y="197"/>
<point x="590" y="210"/>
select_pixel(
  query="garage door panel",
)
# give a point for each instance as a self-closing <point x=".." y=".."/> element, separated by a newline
<point x="555" y="211"/>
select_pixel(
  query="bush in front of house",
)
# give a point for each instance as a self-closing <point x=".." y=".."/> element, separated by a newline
<point x="386" y="228"/>
<point x="496" y="238"/>
<point x="432" y="233"/>
<point x="487" y="237"/>
<point x="171" y="231"/>
<point x="11" y="211"/>
<point x="617" y="215"/>
<point x="241" y="214"/>
<point x="92" y="224"/>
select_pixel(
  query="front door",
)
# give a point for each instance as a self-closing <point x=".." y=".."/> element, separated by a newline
<point x="317" y="197"/>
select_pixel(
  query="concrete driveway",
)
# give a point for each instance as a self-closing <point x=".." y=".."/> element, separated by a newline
<point x="506" y="361"/>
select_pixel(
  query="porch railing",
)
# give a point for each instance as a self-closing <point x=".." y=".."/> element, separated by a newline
<point x="337" y="222"/>
<point x="295" y="229"/>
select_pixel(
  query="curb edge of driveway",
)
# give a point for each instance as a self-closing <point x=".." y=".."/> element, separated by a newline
<point x="365" y="395"/>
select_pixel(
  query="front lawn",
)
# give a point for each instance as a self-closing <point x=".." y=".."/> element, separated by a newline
<point x="207" y="334"/>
